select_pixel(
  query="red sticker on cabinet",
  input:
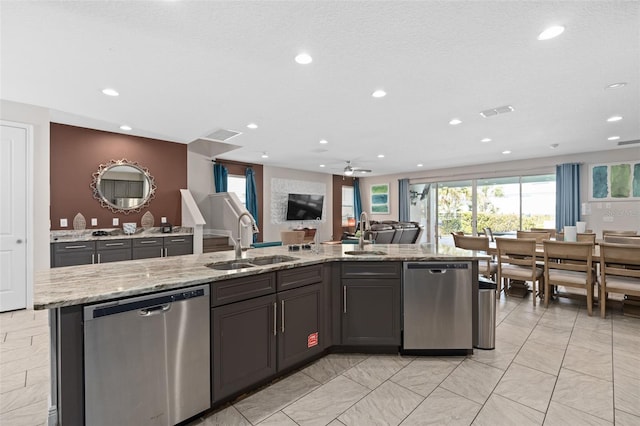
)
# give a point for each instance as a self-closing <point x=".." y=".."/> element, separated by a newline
<point x="312" y="340"/>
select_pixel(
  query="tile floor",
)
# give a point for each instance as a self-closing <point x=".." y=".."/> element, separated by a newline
<point x="553" y="366"/>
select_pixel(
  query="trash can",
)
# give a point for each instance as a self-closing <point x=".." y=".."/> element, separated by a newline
<point x="486" y="314"/>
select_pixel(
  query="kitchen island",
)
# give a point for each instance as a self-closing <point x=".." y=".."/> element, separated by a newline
<point x="342" y="301"/>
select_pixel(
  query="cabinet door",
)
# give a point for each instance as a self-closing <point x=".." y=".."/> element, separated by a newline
<point x="371" y="311"/>
<point x="113" y="250"/>
<point x="243" y="340"/>
<point x="74" y="253"/>
<point x="145" y="248"/>
<point x="300" y="319"/>
<point x="177" y="246"/>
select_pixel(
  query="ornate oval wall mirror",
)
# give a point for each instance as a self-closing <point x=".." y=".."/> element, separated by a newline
<point x="123" y="186"/>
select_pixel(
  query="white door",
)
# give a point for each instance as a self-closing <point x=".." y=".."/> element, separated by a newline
<point x="13" y="212"/>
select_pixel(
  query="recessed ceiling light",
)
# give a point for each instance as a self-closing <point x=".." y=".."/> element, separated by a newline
<point x="420" y="165"/>
<point x="110" y="92"/>
<point x="379" y="93"/>
<point x="455" y="121"/>
<point x="324" y="141"/>
<point x="613" y="138"/>
<point x="485" y="140"/>
<point x="506" y="152"/>
<point x="252" y="125"/>
<point x="322" y="165"/>
<point x="554" y="145"/>
<point x="616" y="85"/>
<point x="380" y="155"/>
<point x="265" y="155"/>
<point x="551" y="32"/>
<point x="304" y="59"/>
<point x="125" y="127"/>
<point x="614" y="118"/>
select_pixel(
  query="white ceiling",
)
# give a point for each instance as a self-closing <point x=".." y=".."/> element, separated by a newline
<point x="187" y="68"/>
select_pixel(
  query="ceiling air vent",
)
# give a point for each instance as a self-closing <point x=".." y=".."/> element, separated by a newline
<point x="222" y="135"/>
<point x="625" y="143"/>
<point x="495" y="111"/>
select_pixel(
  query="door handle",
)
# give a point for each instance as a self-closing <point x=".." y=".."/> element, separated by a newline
<point x="344" y="299"/>
<point x="275" y="313"/>
<point x="18" y="241"/>
<point x="155" y="310"/>
<point x="282" y="315"/>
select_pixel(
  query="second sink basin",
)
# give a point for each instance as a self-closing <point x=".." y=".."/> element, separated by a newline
<point x="228" y="266"/>
<point x="366" y="253"/>
<point x="270" y="260"/>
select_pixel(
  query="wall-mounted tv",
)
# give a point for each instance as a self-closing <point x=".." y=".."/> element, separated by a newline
<point x="304" y="206"/>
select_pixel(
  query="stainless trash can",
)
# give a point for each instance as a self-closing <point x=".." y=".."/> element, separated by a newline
<point x="486" y="314"/>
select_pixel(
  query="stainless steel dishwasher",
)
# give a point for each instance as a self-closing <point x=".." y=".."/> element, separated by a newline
<point x="437" y="307"/>
<point x="147" y="358"/>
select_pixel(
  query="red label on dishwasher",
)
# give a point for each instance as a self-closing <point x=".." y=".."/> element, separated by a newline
<point x="312" y="340"/>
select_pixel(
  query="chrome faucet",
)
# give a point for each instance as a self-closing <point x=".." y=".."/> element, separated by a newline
<point x="362" y="228"/>
<point x="238" y="245"/>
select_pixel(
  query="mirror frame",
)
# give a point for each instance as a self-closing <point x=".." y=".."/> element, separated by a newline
<point x="97" y="193"/>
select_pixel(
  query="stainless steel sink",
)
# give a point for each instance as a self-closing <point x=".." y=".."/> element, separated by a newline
<point x="270" y="260"/>
<point x="366" y="252"/>
<point x="228" y="266"/>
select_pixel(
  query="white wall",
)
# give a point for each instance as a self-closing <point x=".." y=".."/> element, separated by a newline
<point x="199" y="176"/>
<point x="39" y="119"/>
<point x="270" y="230"/>
<point x="626" y="214"/>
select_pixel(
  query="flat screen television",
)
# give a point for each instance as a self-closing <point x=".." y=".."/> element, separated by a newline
<point x="304" y="206"/>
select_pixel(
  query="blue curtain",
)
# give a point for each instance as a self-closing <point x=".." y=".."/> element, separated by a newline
<point x="403" y="198"/>
<point x="220" y="177"/>
<point x="567" y="195"/>
<point x="357" y="201"/>
<point x="252" y="196"/>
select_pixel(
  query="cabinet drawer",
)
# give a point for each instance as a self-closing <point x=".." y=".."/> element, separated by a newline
<point x="76" y="246"/>
<point x="237" y="289"/>
<point x="184" y="239"/>
<point x="298" y="277"/>
<point x="369" y="269"/>
<point x="113" y="244"/>
<point x="148" y="242"/>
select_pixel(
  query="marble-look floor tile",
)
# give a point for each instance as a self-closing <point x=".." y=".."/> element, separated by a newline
<point x="443" y="408"/>
<point x="629" y="341"/>
<point x="264" y="403"/>
<point x="226" y="417"/>
<point x="388" y="404"/>
<point x="587" y="361"/>
<point x="585" y="393"/>
<point x="594" y="323"/>
<point x="336" y="422"/>
<point x="23" y="364"/>
<point x="29" y="415"/>
<point x="627" y="393"/>
<point x="541" y="357"/>
<point x="23" y="397"/>
<point x="626" y="363"/>
<point x="562" y="415"/>
<point x="529" y="387"/>
<point x="13" y="381"/>
<point x="473" y="380"/>
<point x="500" y="357"/>
<point x="278" y="419"/>
<point x="590" y="339"/>
<point x="523" y="319"/>
<point x="550" y="336"/>
<point x="327" y="402"/>
<point x="513" y="334"/>
<point x="500" y="411"/>
<point x="626" y="419"/>
<point x="376" y="369"/>
<point x="25" y="352"/>
<point x="328" y="367"/>
<point x="423" y="375"/>
<point x="38" y="375"/>
<point x="5" y="346"/>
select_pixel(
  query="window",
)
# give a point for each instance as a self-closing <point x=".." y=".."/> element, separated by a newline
<point x="238" y="184"/>
<point x="539" y="201"/>
<point x="348" y="210"/>
<point x="498" y="205"/>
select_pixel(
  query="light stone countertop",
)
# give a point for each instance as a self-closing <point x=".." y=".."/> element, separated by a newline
<point x="77" y="285"/>
<point x="69" y="236"/>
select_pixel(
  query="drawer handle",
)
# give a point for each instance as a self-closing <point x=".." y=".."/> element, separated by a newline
<point x="275" y="316"/>
<point x="114" y="244"/>
<point x="282" y="315"/>
<point x="148" y="242"/>
<point x="75" y="247"/>
<point x="180" y="240"/>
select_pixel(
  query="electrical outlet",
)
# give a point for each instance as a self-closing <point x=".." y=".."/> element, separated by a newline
<point x="94" y="221"/>
<point x="64" y="223"/>
<point x="163" y="219"/>
<point x="116" y="221"/>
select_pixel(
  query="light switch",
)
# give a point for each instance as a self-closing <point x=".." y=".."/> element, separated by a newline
<point x="163" y="219"/>
<point x="64" y="223"/>
<point x="116" y="221"/>
<point x="94" y="221"/>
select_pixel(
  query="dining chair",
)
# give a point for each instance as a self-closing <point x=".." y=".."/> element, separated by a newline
<point x="486" y="268"/>
<point x="618" y="233"/>
<point x="586" y="237"/>
<point x="538" y="236"/>
<point x="517" y="261"/>
<point x="489" y="233"/>
<point x="551" y="231"/>
<point x="619" y="271"/>
<point x="569" y="264"/>
<point x="622" y="240"/>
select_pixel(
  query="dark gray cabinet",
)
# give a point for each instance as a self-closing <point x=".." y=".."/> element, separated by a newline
<point x="113" y="250"/>
<point x="146" y="248"/>
<point x="243" y="339"/>
<point x="178" y="245"/>
<point x="370" y="303"/>
<point x="89" y="252"/>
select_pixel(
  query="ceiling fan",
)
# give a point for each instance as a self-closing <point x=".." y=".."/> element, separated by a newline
<point x="349" y="169"/>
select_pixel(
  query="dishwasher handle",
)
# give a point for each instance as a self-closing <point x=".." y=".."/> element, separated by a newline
<point x="155" y="310"/>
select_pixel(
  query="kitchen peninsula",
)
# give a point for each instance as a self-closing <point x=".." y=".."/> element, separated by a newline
<point x="268" y="313"/>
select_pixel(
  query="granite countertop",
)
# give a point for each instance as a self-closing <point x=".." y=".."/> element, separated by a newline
<point x="114" y="234"/>
<point x="77" y="285"/>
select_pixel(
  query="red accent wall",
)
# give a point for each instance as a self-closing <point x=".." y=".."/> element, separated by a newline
<point x="76" y="153"/>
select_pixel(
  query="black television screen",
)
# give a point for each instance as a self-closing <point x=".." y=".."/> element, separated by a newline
<point x="304" y="207"/>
